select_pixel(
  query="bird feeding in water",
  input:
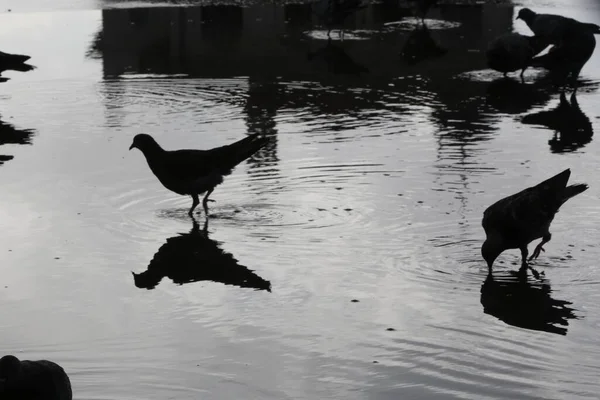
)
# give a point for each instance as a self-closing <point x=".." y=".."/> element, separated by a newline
<point x="515" y="221"/>
<point x="193" y="172"/>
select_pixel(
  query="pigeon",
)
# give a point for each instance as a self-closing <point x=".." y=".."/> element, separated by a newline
<point x="422" y="8"/>
<point x="554" y="28"/>
<point x="334" y="13"/>
<point x="14" y="62"/>
<point x="193" y="172"/>
<point x="513" y="51"/>
<point x="337" y="60"/>
<point x="515" y="221"/>
<point x="33" y="380"/>
<point x="568" y="58"/>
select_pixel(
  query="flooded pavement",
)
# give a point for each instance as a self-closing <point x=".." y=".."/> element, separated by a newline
<point x="341" y="261"/>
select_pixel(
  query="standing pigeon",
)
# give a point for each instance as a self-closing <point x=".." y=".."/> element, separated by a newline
<point x="334" y="12"/>
<point x="554" y="28"/>
<point x="193" y="172"/>
<point x="33" y="380"/>
<point x="14" y="62"/>
<point x="513" y="51"/>
<point x="517" y="220"/>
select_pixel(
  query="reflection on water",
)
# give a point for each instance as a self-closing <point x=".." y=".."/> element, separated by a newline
<point x="193" y="257"/>
<point x="572" y="128"/>
<point x="337" y="60"/>
<point x="9" y="134"/>
<point x="420" y="46"/>
<point x="525" y="302"/>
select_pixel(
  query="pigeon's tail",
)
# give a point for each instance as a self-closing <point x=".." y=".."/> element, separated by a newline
<point x="13" y="58"/>
<point x="22" y="67"/>
<point x="242" y="149"/>
<point x="574" y="190"/>
<point x="593" y="27"/>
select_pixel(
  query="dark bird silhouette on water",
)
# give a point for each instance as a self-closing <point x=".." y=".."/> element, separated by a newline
<point x="512" y="52"/>
<point x="567" y="59"/>
<point x="573" y="129"/>
<point x="13" y="62"/>
<point x="193" y="257"/>
<point x="422" y="8"/>
<point x="554" y="29"/>
<point x="421" y="46"/>
<point x="33" y="380"/>
<point x="515" y="221"/>
<point x="514" y="299"/>
<point x="193" y="172"/>
<point x="338" y="61"/>
<point x="333" y="13"/>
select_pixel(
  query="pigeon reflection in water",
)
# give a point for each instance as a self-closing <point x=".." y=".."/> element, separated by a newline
<point x="420" y="46"/>
<point x="510" y="96"/>
<point x="192" y="257"/>
<point x="333" y="13"/>
<point x="572" y="127"/>
<point x="13" y="62"/>
<point x="11" y="135"/>
<point x="338" y="61"/>
<point x="517" y="300"/>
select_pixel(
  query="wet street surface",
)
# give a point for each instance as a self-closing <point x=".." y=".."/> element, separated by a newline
<point x="340" y="261"/>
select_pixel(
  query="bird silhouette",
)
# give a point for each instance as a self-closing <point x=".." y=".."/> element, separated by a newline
<point x="422" y="8"/>
<point x="554" y="29"/>
<point x="14" y="62"/>
<point x="568" y="58"/>
<point x="193" y="172"/>
<point x="513" y="51"/>
<point x="33" y="380"/>
<point x="518" y="301"/>
<point x="515" y="221"/>
<point x="192" y="257"/>
<point x="572" y="127"/>
<point x="333" y="13"/>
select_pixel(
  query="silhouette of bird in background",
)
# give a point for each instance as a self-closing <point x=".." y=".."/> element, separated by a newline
<point x="572" y="127"/>
<point x="333" y="13"/>
<point x="513" y="51"/>
<point x="554" y="28"/>
<point x="192" y="257"/>
<point x="193" y="172"/>
<point x="422" y="8"/>
<point x="13" y="62"/>
<point x="33" y="380"/>
<point x="515" y="221"/>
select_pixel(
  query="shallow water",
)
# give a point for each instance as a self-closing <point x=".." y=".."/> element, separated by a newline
<point x="385" y="152"/>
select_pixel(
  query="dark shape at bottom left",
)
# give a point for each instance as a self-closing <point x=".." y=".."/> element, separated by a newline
<point x="192" y="257"/>
<point x="33" y="380"/>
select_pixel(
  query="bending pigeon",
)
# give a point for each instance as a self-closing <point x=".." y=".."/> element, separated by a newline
<point x="554" y="28"/>
<point x="193" y="172"/>
<point x="512" y="51"/>
<point x="517" y="220"/>
<point x="14" y="62"/>
<point x="33" y="380"/>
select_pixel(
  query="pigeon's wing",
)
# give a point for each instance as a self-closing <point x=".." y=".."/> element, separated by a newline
<point x="529" y="212"/>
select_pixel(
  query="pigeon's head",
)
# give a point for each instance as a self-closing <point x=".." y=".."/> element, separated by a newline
<point x="526" y="14"/>
<point x="143" y="142"/>
<point x="491" y="249"/>
<point x="9" y="367"/>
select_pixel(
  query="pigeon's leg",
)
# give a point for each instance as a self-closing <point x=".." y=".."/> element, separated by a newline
<point x="539" y="247"/>
<point x="205" y="200"/>
<point x="194" y="204"/>
<point x="522" y="72"/>
<point x="505" y="75"/>
<point x="524" y="253"/>
<point x="329" y="33"/>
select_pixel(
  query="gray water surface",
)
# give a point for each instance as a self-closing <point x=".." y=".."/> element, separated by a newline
<point x="386" y="148"/>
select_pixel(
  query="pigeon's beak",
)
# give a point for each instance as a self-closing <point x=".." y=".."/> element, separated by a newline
<point x="132" y="146"/>
<point x="518" y="17"/>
